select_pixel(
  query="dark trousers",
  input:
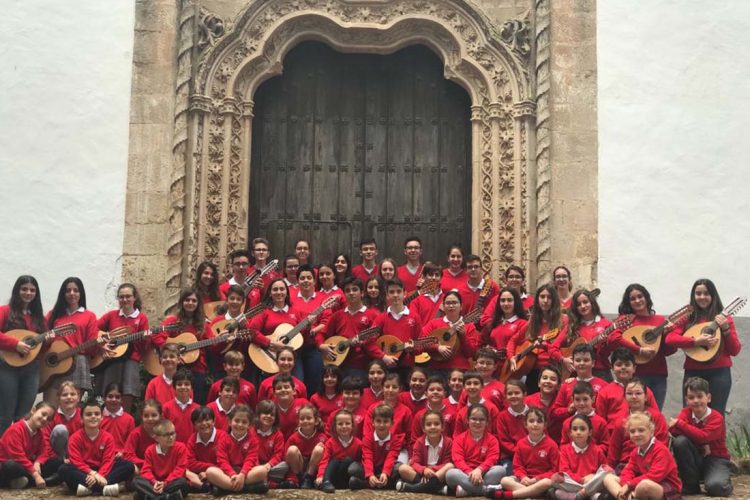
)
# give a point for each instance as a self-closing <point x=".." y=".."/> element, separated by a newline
<point x="693" y="466"/>
<point x="658" y="385"/>
<point x="532" y="381"/>
<point x="200" y="389"/>
<point x="145" y="488"/>
<point x="11" y="470"/>
<point x="720" y="383"/>
<point x="338" y="472"/>
<point x="309" y="368"/>
<point x="121" y="471"/>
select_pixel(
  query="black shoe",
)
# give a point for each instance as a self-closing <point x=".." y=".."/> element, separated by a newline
<point x="287" y="485"/>
<point x="327" y="487"/>
<point x="308" y="482"/>
<point x="257" y="488"/>
<point x="217" y="492"/>
<point x="177" y="495"/>
<point x="356" y="483"/>
<point x="53" y="480"/>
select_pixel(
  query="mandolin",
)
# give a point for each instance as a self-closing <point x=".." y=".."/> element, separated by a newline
<point x="342" y="345"/>
<point x="119" y="342"/>
<point x="233" y="324"/>
<point x="34" y="341"/>
<point x="59" y="358"/>
<point x="645" y="336"/>
<point x="209" y="308"/>
<point x="525" y="356"/>
<point x="705" y="354"/>
<point x="265" y="359"/>
<point x="619" y="324"/>
<point x="394" y="346"/>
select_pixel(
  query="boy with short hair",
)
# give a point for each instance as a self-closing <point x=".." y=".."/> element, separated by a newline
<point x="234" y="365"/>
<point x="351" y="392"/>
<point x="379" y="452"/>
<point x="180" y="409"/>
<point x="202" y="447"/>
<point x="164" y="466"/>
<point x="473" y="385"/>
<point x="240" y="261"/>
<point x="401" y="413"/>
<point x="700" y="443"/>
<point x="435" y="401"/>
<point x="287" y="405"/>
<point x="583" y="363"/>
<point x="583" y="403"/>
<point x="368" y="249"/>
<point x="485" y="362"/>
<point x="410" y="272"/>
<point x="428" y="305"/>
<point x="472" y="288"/>
<point x="610" y="400"/>
<point x="160" y="387"/>
<point x="397" y="320"/>
<point x="225" y="403"/>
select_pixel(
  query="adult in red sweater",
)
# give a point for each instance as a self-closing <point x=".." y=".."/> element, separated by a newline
<point x="474" y="455"/>
<point x="473" y="292"/>
<point x="411" y="272"/>
<point x="164" y="466"/>
<point x="507" y="318"/>
<point x="20" y="447"/>
<point x="515" y="278"/>
<point x="446" y="358"/>
<point x="207" y="283"/>
<point x="700" y="443"/>
<point x="92" y="467"/>
<point x="454" y="276"/>
<point x="18" y="386"/>
<point x="707" y="306"/>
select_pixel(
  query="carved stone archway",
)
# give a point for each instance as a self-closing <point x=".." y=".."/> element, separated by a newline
<point x="209" y="194"/>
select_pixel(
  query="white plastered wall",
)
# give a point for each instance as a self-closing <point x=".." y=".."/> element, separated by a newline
<point x="64" y="99"/>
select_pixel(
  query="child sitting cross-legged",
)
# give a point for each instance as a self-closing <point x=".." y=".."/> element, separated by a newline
<point x="379" y="452"/>
<point x="304" y="448"/>
<point x="581" y="471"/>
<point x="430" y="458"/>
<point x="162" y="476"/>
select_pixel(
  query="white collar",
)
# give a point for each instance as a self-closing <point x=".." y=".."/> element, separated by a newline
<point x="704" y="417"/>
<point x="302" y="298"/>
<point x="590" y="322"/>
<point x="229" y="317"/>
<point x="412" y="270"/>
<point x="305" y="436"/>
<point x="518" y="414"/>
<point x="329" y="290"/>
<point x="591" y="414"/>
<point x="232" y="281"/>
<point x="159" y="450"/>
<point x="398" y="316"/>
<point x="290" y="284"/>
<point x="183" y="405"/>
<point x="345" y="444"/>
<point x="221" y="408"/>
<point x="79" y="310"/>
<point x="439" y="445"/>
<point x="378" y="394"/>
<point x="264" y="433"/>
<point x="67" y="417"/>
<point x="28" y="427"/>
<point x="210" y="440"/>
<point x="369" y="270"/>
<point x="381" y="442"/>
<point x="534" y="443"/>
<point x="360" y="310"/>
<point x="238" y="439"/>
<point x="455" y="274"/>
<point x="283" y="309"/>
<point x="650" y="444"/>
<point x="577" y="449"/>
<point x="118" y="413"/>
<point x="411" y="395"/>
<point x="579" y="379"/>
<point x="447" y="321"/>
<point x="168" y="380"/>
<point x="132" y="315"/>
<point x="475" y="288"/>
<point x="452" y="400"/>
<point x="434" y="297"/>
<point x="512" y="319"/>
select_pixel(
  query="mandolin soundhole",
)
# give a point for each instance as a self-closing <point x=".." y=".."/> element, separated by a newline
<point x="53" y="360"/>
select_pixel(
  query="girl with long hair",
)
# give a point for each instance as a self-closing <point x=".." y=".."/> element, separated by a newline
<point x="587" y="322"/>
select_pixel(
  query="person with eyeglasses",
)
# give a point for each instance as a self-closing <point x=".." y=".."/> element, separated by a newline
<point x="290" y="268"/>
<point x="473" y="286"/>
<point x="410" y="272"/>
<point x="445" y="358"/>
<point x="239" y="260"/>
<point x="261" y="254"/>
<point x="164" y="466"/>
<point x="564" y="286"/>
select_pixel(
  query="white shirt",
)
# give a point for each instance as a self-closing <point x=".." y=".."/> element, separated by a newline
<point x="360" y="310"/>
<point x="346" y="444"/>
<point x="210" y="440"/>
<point x="577" y="449"/>
<point x="475" y="288"/>
<point x="264" y="433"/>
<point x="118" y="413"/>
<point x="510" y="320"/>
<point x="518" y="414"/>
<point x="534" y="443"/>
<point x="283" y="309"/>
<point x="302" y="298"/>
<point x="650" y="444"/>
<point x="398" y="316"/>
<point x="697" y="420"/>
<point x="132" y="315"/>
<point x="381" y="442"/>
<point x="183" y="405"/>
<point x="433" y="452"/>
<point x="590" y="322"/>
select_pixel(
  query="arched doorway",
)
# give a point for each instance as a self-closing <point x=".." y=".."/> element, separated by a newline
<point x="353" y="146"/>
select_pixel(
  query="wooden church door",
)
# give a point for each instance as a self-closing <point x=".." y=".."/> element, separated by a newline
<point x="351" y="146"/>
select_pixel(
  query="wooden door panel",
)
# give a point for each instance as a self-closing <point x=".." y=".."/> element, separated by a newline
<point x="376" y="153"/>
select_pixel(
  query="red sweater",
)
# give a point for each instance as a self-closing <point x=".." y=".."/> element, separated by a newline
<point x="554" y="425"/>
<point x="237" y="455"/>
<point x="536" y="461"/>
<point x="509" y="428"/>
<point x="502" y="333"/>
<point x="427" y="307"/>
<point x="9" y="343"/>
<point x="120" y="427"/>
<point x="579" y="465"/>
<point x="335" y="450"/>
<point x="369" y="398"/>
<point x="407" y="399"/>
<point x="72" y="424"/>
<point x="360" y="416"/>
<point x="710" y="431"/>
<point x="657" y="464"/>
<point x="470" y="296"/>
<point x="461" y="424"/>
<point x="88" y="454"/>
<point x="489" y="309"/>
<point x="200" y="365"/>
<point x="159" y="389"/>
<point x="305" y="444"/>
<point x="19" y="445"/>
<point x="165" y="467"/>
<point x="611" y="400"/>
<point x="469" y="454"/>
<point x="548" y="350"/>
<point x="600" y="436"/>
<point x="449" y="421"/>
<point x="136" y="445"/>
<point x="380" y="456"/>
<point x="406" y="328"/>
<point x="221" y="420"/>
<point x="451" y="281"/>
<point x="302" y="309"/>
<point x="620" y="445"/>
<point x="113" y="319"/>
<point x="408" y="279"/>
<point x="463" y="353"/>
<point x="345" y="324"/>
<point x="86" y="328"/>
<point x="561" y="406"/>
<point x="493" y="391"/>
<point x="267" y="321"/>
<point x="270" y="448"/>
<point x="658" y="365"/>
<point x="201" y="455"/>
<point x="327" y="406"/>
<point x="181" y="418"/>
<point x="603" y="349"/>
<point x="420" y="452"/>
<point x="402" y="417"/>
<point x="362" y="273"/>
<point x="730" y="346"/>
<point x="265" y="389"/>
<point x="289" y="418"/>
<point x="246" y="396"/>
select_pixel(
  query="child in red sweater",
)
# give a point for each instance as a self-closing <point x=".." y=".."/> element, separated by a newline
<point x="202" y="447"/>
<point x="535" y="462"/>
<point x="328" y="399"/>
<point x="430" y="457"/>
<point x="180" y="409"/>
<point x="163" y="474"/>
<point x="286" y="361"/>
<point x="581" y="470"/>
<point x="700" y="443"/>
<point x="287" y="405"/>
<point x="402" y="415"/>
<point x="64" y="422"/>
<point x="21" y="445"/>
<point x="115" y="419"/>
<point x="375" y="375"/>
<point x="485" y="363"/>
<point x="234" y="365"/>
<point x="474" y="454"/>
<point x="226" y="401"/>
<point x="379" y="453"/>
<point x="351" y="389"/>
<point x="304" y="448"/>
<point x="92" y="466"/>
<point x="583" y="403"/>
<point x="473" y="388"/>
<point x="435" y="402"/>
<point x="144" y="435"/>
<point x="160" y="387"/>
<point x="549" y="385"/>
<point x="510" y="424"/>
<point x="236" y="455"/>
<point x="651" y="472"/>
<point x="415" y="398"/>
<point x="270" y="468"/>
<point x="611" y="400"/>
<point x="583" y="364"/>
<point x="455" y="388"/>
<point x="341" y="456"/>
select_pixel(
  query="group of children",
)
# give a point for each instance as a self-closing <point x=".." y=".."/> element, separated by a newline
<point x="470" y="435"/>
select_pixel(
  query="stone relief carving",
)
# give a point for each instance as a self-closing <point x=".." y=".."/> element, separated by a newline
<point x="543" y="244"/>
<point x="210" y="29"/>
<point x="232" y="66"/>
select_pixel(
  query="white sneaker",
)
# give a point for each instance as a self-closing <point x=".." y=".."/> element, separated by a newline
<point x="111" y="490"/>
<point x="18" y="483"/>
<point x="399" y="485"/>
<point x="460" y="492"/>
<point x="492" y="489"/>
<point x="443" y="491"/>
<point x="82" y="491"/>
